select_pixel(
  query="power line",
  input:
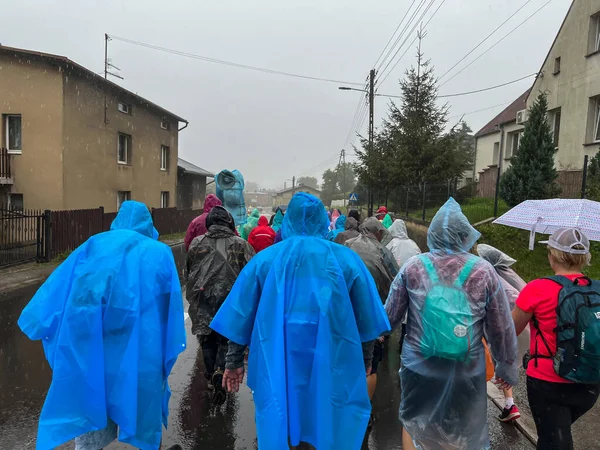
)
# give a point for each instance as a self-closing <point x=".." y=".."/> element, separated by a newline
<point x="459" y="94"/>
<point x="394" y="33"/>
<point x="484" y="40"/>
<point x="479" y="110"/>
<point x="411" y="43"/>
<point x="408" y="35"/>
<point x="232" y="64"/>
<point x="409" y="22"/>
<point x="504" y="37"/>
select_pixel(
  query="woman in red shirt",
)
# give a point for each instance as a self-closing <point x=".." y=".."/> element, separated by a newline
<point x="556" y="403"/>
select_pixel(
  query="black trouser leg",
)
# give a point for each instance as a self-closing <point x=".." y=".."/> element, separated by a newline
<point x="209" y="346"/>
<point x="402" y="336"/>
<point x="555" y="407"/>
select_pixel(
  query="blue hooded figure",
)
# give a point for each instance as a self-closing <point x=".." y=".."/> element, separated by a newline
<point x="110" y="318"/>
<point x="305" y="306"/>
<point x="340" y="226"/>
<point x="230" y="190"/>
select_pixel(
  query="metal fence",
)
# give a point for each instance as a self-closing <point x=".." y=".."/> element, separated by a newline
<point x="22" y="235"/>
<point x="5" y="169"/>
<point x="35" y="235"/>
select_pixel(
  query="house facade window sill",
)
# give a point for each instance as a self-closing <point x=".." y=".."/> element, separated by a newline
<point x="14" y="152"/>
<point x="591" y="144"/>
<point x="589" y="55"/>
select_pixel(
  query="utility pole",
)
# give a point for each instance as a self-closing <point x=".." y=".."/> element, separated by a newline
<point x="343" y="155"/>
<point x="500" y="156"/>
<point x="293" y="185"/>
<point x="105" y="56"/>
<point x="371" y="139"/>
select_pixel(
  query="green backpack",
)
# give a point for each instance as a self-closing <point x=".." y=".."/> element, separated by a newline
<point x="577" y="331"/>
<point x="447" y="316"/>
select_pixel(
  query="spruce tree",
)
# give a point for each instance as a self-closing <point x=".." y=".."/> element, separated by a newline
<point x="532" y="174"/>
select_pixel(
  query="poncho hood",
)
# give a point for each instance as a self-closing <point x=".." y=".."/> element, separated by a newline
<point x="211" y="201"/>
<point x="262" y="221"/>
<point x="450" y="231"/>
<point x="135" y="216"/>
<point x="398" y="229"/>
<point x="351" y="224"/>
<point x="306" y="216"/>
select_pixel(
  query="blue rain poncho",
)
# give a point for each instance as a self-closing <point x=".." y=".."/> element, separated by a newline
<point x="277" y="220"/>
<point x="340" y="226"/>
<point x="444" y="400"/>
<point x="110" y="318"/>
<point x="230" y="190"/>
<point x="305" y="306"/>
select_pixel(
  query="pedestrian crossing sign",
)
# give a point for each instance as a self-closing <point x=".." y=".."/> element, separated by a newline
<point x="353" y="197"/>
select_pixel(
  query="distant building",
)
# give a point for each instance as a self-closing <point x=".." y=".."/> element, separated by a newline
<point x="191" y="185"/>
<point x="284" y="196"/>
<point x="75" y="140"/>
<point x="259" y="198"/>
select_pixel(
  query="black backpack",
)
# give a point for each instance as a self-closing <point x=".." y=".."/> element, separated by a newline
<point x="577" y="331"/>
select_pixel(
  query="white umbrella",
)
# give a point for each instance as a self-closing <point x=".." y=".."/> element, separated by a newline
<point x="547" y="216"/>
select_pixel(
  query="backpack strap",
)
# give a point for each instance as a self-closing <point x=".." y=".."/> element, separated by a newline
<point x="464" y="274"/>
<point x="430" y="269"/>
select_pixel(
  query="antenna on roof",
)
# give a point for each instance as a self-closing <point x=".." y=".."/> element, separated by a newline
<point x="107" y="61"/>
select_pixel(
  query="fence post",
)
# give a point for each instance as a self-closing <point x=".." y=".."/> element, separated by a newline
<point x="424" y="197"/>
<point x="47" y="234"/>
<point x="101" y="219"/>
<point x="38" y="238"/>
<point x="584" y="177"/>
<point x="448" y="190"/>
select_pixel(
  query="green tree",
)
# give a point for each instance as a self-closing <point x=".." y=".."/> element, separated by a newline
<point x="346" y="177"/>
<point x="329" y="187"/>
<point x="592" y="189"/>
<point x="532" y="174"/>
<point x="308" y="181"/>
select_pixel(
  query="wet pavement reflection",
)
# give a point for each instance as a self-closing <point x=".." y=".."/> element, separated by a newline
<point x="25" y="377"/>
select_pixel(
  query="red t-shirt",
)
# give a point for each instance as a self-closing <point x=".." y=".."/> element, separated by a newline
<point x="540" y="298"/>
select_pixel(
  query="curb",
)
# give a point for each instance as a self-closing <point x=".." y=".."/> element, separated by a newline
<point x="497" y="398"/>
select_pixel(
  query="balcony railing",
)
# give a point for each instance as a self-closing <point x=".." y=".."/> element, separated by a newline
<point x="6" y="176"/>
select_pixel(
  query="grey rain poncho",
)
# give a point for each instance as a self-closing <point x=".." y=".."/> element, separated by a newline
<point x="512" y="283"/>
<point x="378" y="259"/>
<point x="402" y="247"/>
<point x="351" y="231"/>
<point x="214" y="262"/>
<point x="444" y="402"/>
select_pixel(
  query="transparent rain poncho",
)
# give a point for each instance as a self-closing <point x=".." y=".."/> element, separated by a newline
<point x="444" y="400"/>
<point x="340" y="226"/>
<point x="378" y="259"/>
<point x="304" y="307"/>
<point x="512" y="283"/>
<point x="230" y="190"/>
<point x="402" y="247"/>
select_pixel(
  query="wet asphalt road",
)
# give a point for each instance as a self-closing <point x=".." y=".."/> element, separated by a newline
<point x="25" y="377"/>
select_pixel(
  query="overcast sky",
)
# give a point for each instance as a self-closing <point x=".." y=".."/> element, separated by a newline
<point x="272" y="127"/>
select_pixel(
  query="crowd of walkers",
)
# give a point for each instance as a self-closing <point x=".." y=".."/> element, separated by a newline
<point x="307" y="302"/>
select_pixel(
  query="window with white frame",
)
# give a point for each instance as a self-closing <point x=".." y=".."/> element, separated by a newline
<point x="554" y="122"/>
<point x="13" y="133"/>
<point x="594" y="34"/>
<point x="125" y="108"/>
<point x="496" y="153"/>
<point x="165" y="156"/>
<point x="164" y="199"/>
<point x="124" y="149"/>
<point x="514" y="139"/>
<point x="165" y="125"/>
<point x="595" y="113"/>
<point x="122" y="197"/>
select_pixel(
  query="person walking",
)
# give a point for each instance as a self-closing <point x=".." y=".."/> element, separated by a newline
<point x="197" y="227"/>
<point x="250" y="225"/>
<point x="214" y="262"/>
<point x="309" y="311"/>
<point x="110" y="318"/>
<point x="383" y="268"/>
<point x="452" y="298"/>
<point x="277" y="220"/>
<point x="262" y="236"/>
<point x="340" y="225"/>
<point x="381" y="213"/>
<point x="562" y="380"/>
<point x="350" y="231"/>
<point x="512" y="284"/>
<point x="402" y="247"/>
